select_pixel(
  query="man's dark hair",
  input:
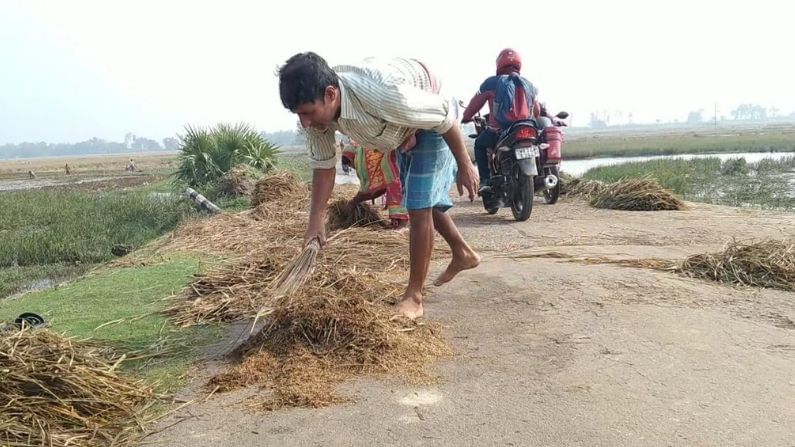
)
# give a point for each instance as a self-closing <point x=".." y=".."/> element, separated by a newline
<point x="304" y="78"/>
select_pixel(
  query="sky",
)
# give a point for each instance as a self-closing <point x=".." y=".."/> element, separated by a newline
<point x="77" y="69"/>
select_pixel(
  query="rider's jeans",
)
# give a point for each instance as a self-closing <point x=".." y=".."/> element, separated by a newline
<point x="486" y="139"/>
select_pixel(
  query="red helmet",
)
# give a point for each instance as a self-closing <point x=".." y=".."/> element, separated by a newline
<point x="509" y="58"/>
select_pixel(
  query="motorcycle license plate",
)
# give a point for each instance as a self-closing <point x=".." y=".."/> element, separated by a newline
<point x="525" y="152"/>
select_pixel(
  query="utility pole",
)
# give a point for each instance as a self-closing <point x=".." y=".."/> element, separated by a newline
<point x="715" y="116"/>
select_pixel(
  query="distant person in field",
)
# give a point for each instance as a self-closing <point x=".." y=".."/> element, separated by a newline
<point x="66" y="168"/>
<point x="131" y="166"/>
<point x="31" y="175"/>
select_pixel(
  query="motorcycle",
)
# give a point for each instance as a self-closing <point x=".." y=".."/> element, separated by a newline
<point x="526" y="158"/>
<point x="551" y="152"/>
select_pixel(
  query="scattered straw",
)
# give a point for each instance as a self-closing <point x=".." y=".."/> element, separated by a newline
<point x="236" y="235"/>
<point x="237" y="292"/>
<point x="649" y="263"/>
<point x="767" y="263"/>
<point x="341" y="215"/>
<point x="59" y="392"/>
<point x="637" y="195"/>
<point x="581" y="187"/>
<point x="230" y="294"/>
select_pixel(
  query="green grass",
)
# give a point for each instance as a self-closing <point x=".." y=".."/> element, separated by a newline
<point x="18" y="279"/>
<point x="235" y="204"/>
<point x="683" y="143"/>
<point x="161" y="186"/>
<point x="132" y="297"/>
<point x="52" y="226"/>
<point x="732" y="182"/>
<point x="296" y="162"/>
<point x="678" y="175"/>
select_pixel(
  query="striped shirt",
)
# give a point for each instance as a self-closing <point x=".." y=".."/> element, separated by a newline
<point x="383" y="102"/>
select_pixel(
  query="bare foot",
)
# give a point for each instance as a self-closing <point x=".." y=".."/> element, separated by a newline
<point x="457" y="265"/>
<point x="411" y="306"/>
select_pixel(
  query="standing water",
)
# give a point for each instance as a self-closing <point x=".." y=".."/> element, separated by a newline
<point x="580" y="167"/>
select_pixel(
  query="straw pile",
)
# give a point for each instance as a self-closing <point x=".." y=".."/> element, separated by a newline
<point x="341" y="215"/>
<point x="643" y="194"/>
<point x="280" y="186"/>
<point x="58" y="392"/>
<point x="581" y="187"/>
<point x="336" y="325"/>
<point x="762" y="264"/>
<point x="238" y="181"/>
<point x="328" y="334"/>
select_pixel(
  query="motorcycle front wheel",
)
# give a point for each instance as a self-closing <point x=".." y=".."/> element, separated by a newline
<point x="551" y="195"/>
<point x="522" y="194"/>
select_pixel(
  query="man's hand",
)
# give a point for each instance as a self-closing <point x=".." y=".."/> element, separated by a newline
<point x="357" y="199"/>
<point x="467" y="175"/>
<point x="313" y="233"/>
<point x="362" y="197"/>
<point x="467" y="179"/>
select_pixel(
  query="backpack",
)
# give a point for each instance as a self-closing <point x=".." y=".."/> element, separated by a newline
<point x="513" y="99"/>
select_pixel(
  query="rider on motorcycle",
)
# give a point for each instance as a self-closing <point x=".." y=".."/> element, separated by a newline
<point x="508" y="62"/>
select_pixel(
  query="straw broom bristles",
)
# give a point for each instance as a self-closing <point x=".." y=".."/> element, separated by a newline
<point x="57" y="392"/>
<point x="292" y="277"/>
<point x="298" y="271"/>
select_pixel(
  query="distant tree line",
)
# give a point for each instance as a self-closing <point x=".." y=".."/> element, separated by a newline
<point x="131" y="144"/>
<point x="94" y="146"/>
<point x="743" y="112"/>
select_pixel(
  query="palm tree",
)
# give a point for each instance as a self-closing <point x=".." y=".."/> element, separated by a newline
<point x="206" y="155"/>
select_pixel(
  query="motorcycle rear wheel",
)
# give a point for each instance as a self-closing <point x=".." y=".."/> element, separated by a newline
<point x="521" y="195"/>
<point x="551" y="195"/>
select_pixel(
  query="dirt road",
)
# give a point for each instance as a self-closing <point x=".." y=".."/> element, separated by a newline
<point x="552" y="352"/>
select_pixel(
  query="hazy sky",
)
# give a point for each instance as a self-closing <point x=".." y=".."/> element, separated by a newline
<point x="71" y="70"/>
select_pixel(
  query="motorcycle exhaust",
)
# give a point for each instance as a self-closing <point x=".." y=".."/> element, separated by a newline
<point x="550" y="181"/>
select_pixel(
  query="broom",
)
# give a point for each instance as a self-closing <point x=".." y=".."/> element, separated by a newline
<point x="298" y="271"/>
<point x="292" y="277"/>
